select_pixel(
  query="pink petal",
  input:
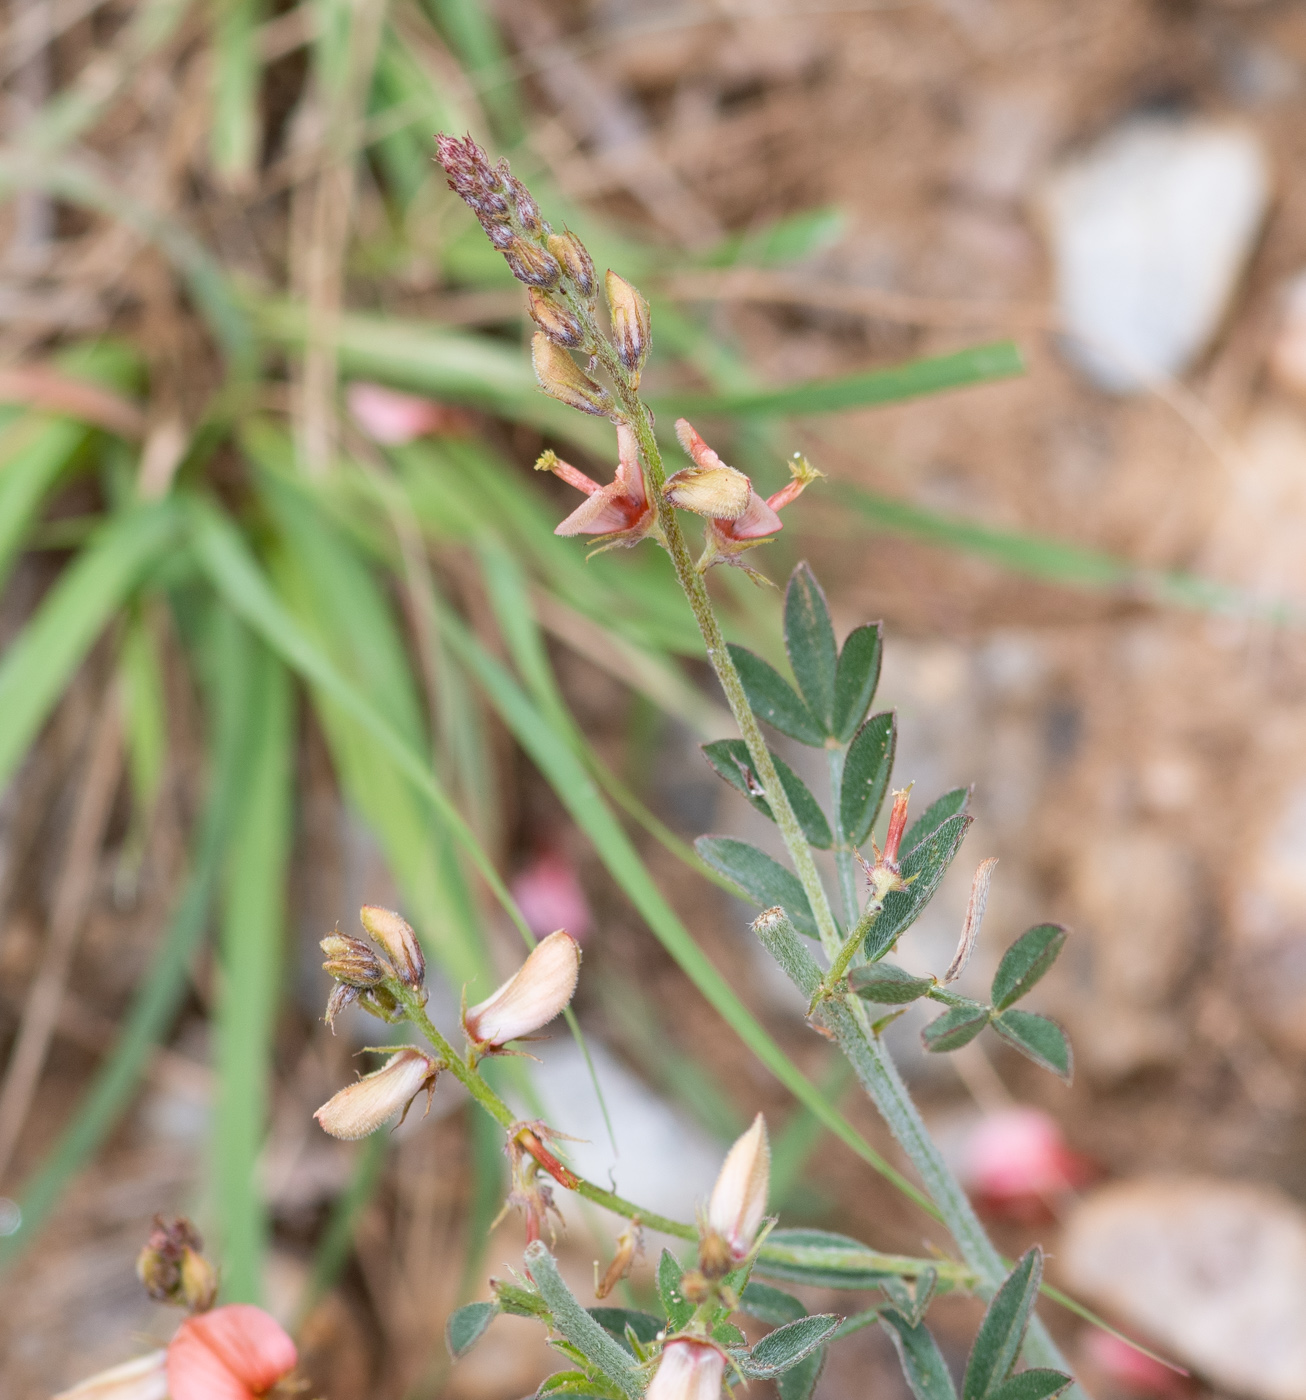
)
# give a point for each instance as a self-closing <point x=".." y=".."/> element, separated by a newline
<point x="390" y="417"/>
<point x="756" y="523"/>
<point x="1020" y="1152"/>
<point x="601" y="514"/>
<point x="538" y="991"/>
<point x="550" y="897"/>
<point x="233" y="1353"/>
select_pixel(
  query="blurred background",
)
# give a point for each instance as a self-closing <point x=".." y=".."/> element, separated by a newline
<point x="270" y="538"/>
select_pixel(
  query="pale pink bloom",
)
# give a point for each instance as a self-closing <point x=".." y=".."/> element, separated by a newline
<point x="1017" y="1158"/>
<point x="237" y="1352"/>
<point x="142" y="1379"/>
<point x="363" y="1106"/>
<point x="689" y="1370"/>
<point x="709" y="487"/>
<point x="549" y="896"/>
<point x="1132" y="1370"/>
<point x="739" y="1197"/>
<point x="536" y="993"/>
<point x="620" y="510"/>
<point x="391" y="417"/>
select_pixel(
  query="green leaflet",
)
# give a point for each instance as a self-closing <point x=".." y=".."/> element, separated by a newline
<point x="761" y="880"/>
<point x="1037" y="1038"/>
<point x="466" y="1326"/>
<point x="810" y="645"/>
<point x="1025" y="962"/>
<point x="783" y="1349"/>
<point x="1003" y="1330"/>
<point x="39" y="663"/>
<point x="958" y="1026"/>
<point x="614" y="1322"/>
<point x="856" y="678"/>
<point x="866" y="773"/>
<point x="774" y="700"/>
<point x="730" y="759"/>
<point x="934" y="816"/>
<point x="250" y="944"/>
<point x="927" y="863"/>
<point x="771" y="1305"/>
<point x="674" y="1303"/>
<point x="922" y="1362"/>
<point x="887" y="984"/>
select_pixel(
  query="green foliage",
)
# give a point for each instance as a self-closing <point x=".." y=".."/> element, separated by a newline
<point x="1003" y="1330"/>
<point x="761" y="880"/>
<point x="731" y="760"/>
<point x="887" y="984"/>
<point x="467" y="1325"/>
<point x="856" y="678"/>
<point x="922" y="1362"/>
<point x="772" y="1305"/>
<point x="867" y="770"/>
<point x="933" y="817"/>
<point x="818" y="1258"/>
<point x="783" y="1349"/>
<point x="924" y="866"/>
<point x="1037" y="1038"/>
<point x="911" y="1303"/>
<point x="809" y="642"/>
<point x="1025" y="962"/>
<point x="774" y="700"/>
<point x="674" y="1303"/>
<point x="958" y="1026"/>
<point x="615" y="1322"/>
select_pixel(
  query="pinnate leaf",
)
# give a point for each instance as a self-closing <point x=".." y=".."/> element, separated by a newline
<point x="731" y="760"/>
<point x="809" y="641"/>
<point x="866" y="773"/>
<point x="958" y="1026"/>
<point x="467" y="1325"/>
<point x="887" y="984"/>
<point x="855" y="679"/>
<point x="1038" y="1039"/>
<point x="1002" y="1332"/>
<point x="922" y="1362"/>
<point x="1028" y="958"/>
<point x="784" y="1348"/>
<point x="762" y="880"/>
<point x="774" y="700"/>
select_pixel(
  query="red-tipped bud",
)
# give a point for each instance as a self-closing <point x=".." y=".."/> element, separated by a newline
<point x="631" y="328"/>
<point x="562" y="378"/>
<point x="351" y="961"/>
<point x="537" y="992"/>
<point x="688" y="1370"/>
<point x="575" y="259"/>
<point x="396" y="937"/>
<point x="738" y="1199"/>
<point x="555" y="320"/>
<point x="531" y="264"/>
<point x="364" y="1106"/>
<point x="897" y="826"/>
<point x="237" y="1352"/>
<point x="146" y="1378"/>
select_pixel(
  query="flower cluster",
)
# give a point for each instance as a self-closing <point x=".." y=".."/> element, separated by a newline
<point x="361" y="972"/>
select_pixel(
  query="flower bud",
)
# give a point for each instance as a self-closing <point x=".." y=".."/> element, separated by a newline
<point x="146" y="1378"/>
<point x="575" y="260"/>
<point x="631" y="331"/>
<point x="530" y="263"/>
<point x="528" y="212"/>
<point x="342" y="996"/>
<point x="721" y="493"/>
<point x="158" y="1266"/>
<point x="563" y="379"/>
<point x="531" y="997"/>
<point x="199" y="1282"/>
<point x="362" y="1107"/>
<point x="739" y="1196"/>
<point x="688" y="1370"/>
<point x="396" y="937"/>
<point x="554" y="320"/>
<point x="237" y="1352"/>
<point x="351" y="961"/>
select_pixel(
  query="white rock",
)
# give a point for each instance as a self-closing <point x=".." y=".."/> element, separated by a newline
<point x="1150" y="232"/>
<point x="1213" y="1272"/>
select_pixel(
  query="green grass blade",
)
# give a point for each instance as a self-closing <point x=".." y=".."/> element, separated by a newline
<point x="1059" y="561"/>
<point x="33" y="454"/>
<point x="554" y="757"/>
<point x="237" y="74"/>
<point x="251" y="952"/>
<point x="470" y="30"/>
<point x="930" y="376"/>
<point x="40" y="662"/>
<point x="145" y="710"/>
<point x="160" y="994"/>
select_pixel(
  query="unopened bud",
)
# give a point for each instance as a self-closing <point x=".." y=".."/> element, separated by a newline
<point x="159" y="1264"/>
<point x="146" y="1378"/>
<point x="631" y="329"/>
<point x="362" y="1107"/>
<point x="396" y="936"/>
<point x="350" y="960"/>
<point x="382" y="1003"/>
<point x="554" y="320"/>
<point x="562" y="378"/>
<point x="719" y="492"/>
<point x="738" y="1198"/>
<point x="575" y="260"/>
<point x="199" y="1282"/>
<point x="528" y="212"/>
<point x="688" y="1370"/>
<point x="530" y="263"/>
<point x="537" y="992"/>
<point x="342" y="997"/>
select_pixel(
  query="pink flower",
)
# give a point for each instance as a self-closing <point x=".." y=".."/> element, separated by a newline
<point x="619" y="511"/>
<point x="549" y="896"/>
<point x="237" y="1352"/>
<point x="393" y="418"/>
<point x="739" y="1197"/>
<point x="537" y="992"/>
<point x="731" y="533"/>
<point x="362" y="1107"/>
<point x="1017" y="1159"/>
<point x="1127" y="1368"/>
<point x="689" y="1370"/>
